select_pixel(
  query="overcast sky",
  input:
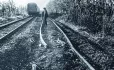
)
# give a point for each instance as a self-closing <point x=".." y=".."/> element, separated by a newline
<point x="40" y="3"/>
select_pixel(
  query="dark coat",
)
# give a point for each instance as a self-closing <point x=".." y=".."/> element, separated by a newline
<point x="44" y="14"/>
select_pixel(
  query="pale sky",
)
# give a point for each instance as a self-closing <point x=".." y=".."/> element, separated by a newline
<point x="41" y="3"/>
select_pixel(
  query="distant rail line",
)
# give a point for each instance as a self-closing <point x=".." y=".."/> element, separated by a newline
<point x="7" y="30"/>
<point x="7" y="24"/>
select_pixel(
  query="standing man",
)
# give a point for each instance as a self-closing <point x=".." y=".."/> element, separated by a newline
<point x="44" y="16"/>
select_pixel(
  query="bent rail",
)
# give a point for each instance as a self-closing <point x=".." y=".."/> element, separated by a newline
<point x="41" y="37"/>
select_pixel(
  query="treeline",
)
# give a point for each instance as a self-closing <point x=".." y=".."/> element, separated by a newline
<point x="8" y="9"/>
<point x="97" y="15"/>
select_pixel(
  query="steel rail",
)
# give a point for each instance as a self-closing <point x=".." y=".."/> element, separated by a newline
<point x="12" y="22"/>
<point x="13" y="31"/>
<point x="72" y="47"/>
<point x="41" y="36"/>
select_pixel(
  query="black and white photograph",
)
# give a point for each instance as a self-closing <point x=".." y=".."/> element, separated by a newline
<point x="56" y="35"/>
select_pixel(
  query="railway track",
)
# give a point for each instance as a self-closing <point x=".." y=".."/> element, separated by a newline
<point x="93" y="57"/>
<point x="73" y="49"/>
<point x="9" y="29"/>
<point x="46" y="44"/>
<point x="10" y="23"/>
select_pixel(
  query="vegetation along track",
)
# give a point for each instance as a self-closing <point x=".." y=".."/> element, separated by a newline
<point x="8" y="30"/>
<point x="96" y="58"/>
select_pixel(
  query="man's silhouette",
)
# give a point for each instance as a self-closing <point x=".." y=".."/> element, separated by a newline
<point x="44" y="16"/>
